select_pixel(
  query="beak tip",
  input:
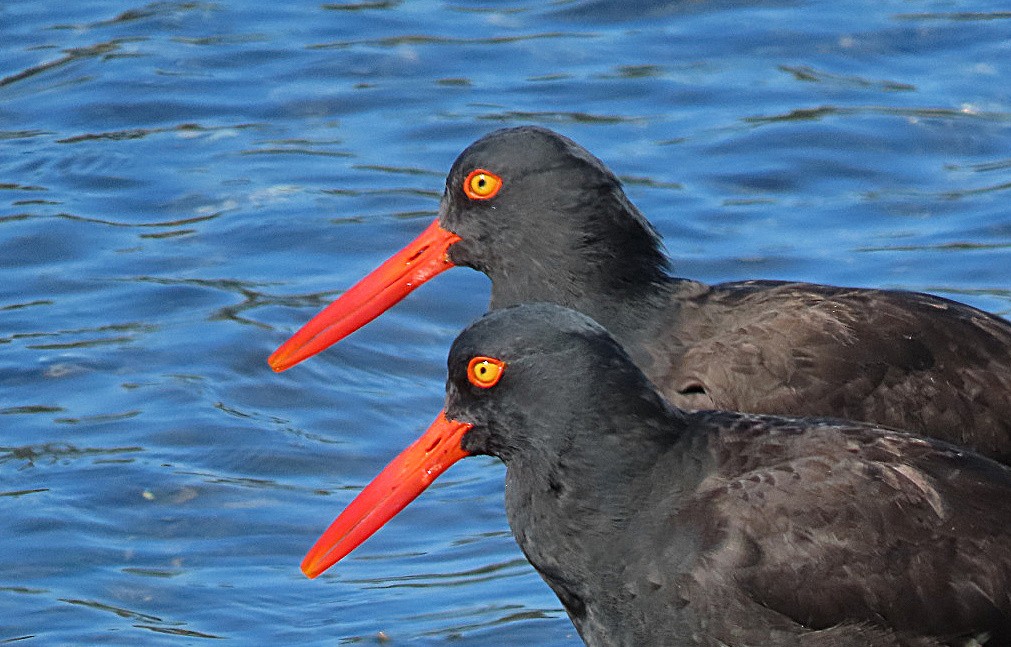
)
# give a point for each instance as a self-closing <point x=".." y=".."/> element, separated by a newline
<point x="279" y="362"/>
<point x="312" y="568"/>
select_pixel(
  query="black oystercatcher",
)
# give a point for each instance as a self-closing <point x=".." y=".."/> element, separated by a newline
<point x="656" y="526"/>
<point x="547" y="221"/>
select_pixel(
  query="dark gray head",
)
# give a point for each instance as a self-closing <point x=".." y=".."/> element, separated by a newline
<point x="557" y="228"/>
<point x="558" y="378"/>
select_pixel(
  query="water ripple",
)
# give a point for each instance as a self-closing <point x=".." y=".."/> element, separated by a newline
<point x="484" y="573"/>
<point x="99" y="418"/>
<point x="360" y="6"/>
<point x="811" y="114"/>
<point x="186" y="129"/>
<point x="150" y="10"/>
<point x="808" y="73"/>
<point x="555" y="117"/>
<point x="956" y="16"/>
<point x="72" y="55"/>
<point x="50" y="453"/>
<point x="7" y="135"/>
<point x="176" y="630"/>
<point x="425" y="39"/>
<point x="17" y="493"/>
<point x="131" y="327"/>
<point x="117" y="223"/>
<point x="504" y="614"/>
<point x="29" y="409"/>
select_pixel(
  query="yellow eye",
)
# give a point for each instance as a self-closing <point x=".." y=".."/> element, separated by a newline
<point x="481" y="184"/>
<point x="485" y="372"/>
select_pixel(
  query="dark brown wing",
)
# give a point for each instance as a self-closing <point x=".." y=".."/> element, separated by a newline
<point x="905" y="360"/>
<point x="829" y="525"/>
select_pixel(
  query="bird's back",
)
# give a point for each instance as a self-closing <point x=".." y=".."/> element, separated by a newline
<point x="906" y="360"/>
<point x="820" y="533"/>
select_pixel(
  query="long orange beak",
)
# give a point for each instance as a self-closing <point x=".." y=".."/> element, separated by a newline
<point x="387" y="284"/>
<point x="398" y="484"/>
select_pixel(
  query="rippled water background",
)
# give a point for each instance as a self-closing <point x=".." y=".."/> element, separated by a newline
<point x="183" y="184"/>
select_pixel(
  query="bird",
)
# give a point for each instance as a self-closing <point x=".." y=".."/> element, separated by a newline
<point x="658" y="526"/>
<point x="549" y="222"/>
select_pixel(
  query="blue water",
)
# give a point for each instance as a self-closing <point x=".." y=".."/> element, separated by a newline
<point x="183" y="184"/>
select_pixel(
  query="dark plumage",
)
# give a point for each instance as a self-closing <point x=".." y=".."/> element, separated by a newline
<point x="655" y="526"/>
<point x="561" y="230"/>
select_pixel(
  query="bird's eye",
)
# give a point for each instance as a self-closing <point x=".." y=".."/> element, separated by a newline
<point x="485" y="372"/>
<point x="481" y="184"/>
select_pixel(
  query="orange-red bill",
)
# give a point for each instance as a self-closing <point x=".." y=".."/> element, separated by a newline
<point x="422" y="259"/>
<point x="397" y="485"/>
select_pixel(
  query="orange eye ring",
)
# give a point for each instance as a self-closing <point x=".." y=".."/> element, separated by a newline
<point x="485" y="372"/>
<point x="481" y="184"/>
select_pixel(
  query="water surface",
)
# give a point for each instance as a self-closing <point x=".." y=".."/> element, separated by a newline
<point x="183" y="184"/>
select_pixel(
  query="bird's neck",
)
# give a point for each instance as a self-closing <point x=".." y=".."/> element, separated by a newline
<point x="621" y="299"/>
<point x="609" y="265"/>
<point x="571" y="513"/>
